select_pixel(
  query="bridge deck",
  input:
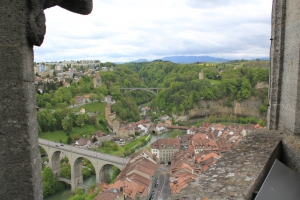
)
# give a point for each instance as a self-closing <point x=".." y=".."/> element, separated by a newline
<point x="143" y="88"/>
<point x="85" y="152"/>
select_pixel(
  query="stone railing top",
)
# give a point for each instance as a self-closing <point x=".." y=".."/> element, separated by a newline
<point x="238" y="173"/>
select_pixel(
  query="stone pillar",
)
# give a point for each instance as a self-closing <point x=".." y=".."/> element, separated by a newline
<point x="98" y="164"/>
<point x="22" y="25"/>
<point x="103" y="174"/>
<point x="20" y="163"/>
<point x="284" y="92"/>
<point x="276" y="54"/>
<point x="76" y="173"/>
<point x="97" y="171"/>
<point x="54" y="162"/>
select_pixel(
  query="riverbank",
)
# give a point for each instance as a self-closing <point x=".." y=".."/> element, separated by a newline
<point x="65" y="194"/>
<point x="155" y="137"/>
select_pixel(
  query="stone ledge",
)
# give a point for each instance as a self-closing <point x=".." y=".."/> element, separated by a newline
<point x="291" y="152"/>
<point x="239" y="172"/>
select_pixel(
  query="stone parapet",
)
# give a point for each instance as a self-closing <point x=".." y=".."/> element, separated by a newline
<point x="239" y="172"/>
<point x="291" y="152"/>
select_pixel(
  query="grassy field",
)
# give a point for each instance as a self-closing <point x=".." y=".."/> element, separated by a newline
<point x="119" y="153"/>
<point x="58" y="135"/>
<point x="122" y="149"/>
<point x="93" y="107"/>
<point x="216" y="82"/>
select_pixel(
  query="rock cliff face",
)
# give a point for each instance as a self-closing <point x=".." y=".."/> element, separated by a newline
<point x="248" y="107"/>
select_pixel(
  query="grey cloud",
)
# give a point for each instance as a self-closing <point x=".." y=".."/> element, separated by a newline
<point x="225" y="32"/>
<point x="216" y="3"/>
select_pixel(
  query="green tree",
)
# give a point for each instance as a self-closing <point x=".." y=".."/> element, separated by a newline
<point x="64" y="94"/>
<point x="65" y="170"/>
<point x="80" y="120"/>
<point x="76" y="137"/>
<point x="100" y="97"/>
<point x="115" y="146"/>
<point x="103" y="90"/>
<point x="67" y="123"/>
<point x="97" y="124"/>
<point x="69" y="140"/>
<point x="93" y="97"/>
<point x="40" y="102"/>
<point x="50" y="184"/>
<point x="46" y="120"/>
<point x="176" y="133"/>
<point x="73" y="102"/>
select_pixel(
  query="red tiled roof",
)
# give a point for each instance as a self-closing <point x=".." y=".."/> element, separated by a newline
<point x="168" y="122"/>
<point x="82" y="141"/>
<point x="166" y="142"/>
<point x="99" y="133"/>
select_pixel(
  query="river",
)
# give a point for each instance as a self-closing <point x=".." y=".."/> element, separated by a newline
<point x="155" y="137"/>
<point x="65" y="194"/>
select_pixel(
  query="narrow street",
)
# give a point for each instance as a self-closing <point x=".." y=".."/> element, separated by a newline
<point x="163" y="191"/>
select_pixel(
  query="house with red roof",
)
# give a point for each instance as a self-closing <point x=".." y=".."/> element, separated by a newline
<point x="136" y="180"/>
<point x="164" y="149"/>
<point x="183" y="170"/>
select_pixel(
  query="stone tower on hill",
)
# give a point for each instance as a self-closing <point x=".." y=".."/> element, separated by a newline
<point x="201" y="75"/>
<point x="97" y="81"/>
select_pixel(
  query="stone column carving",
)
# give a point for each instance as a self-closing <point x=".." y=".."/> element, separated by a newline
<point x="22" y="25"/>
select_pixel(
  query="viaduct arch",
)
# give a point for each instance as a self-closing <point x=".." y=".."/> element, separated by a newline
<point x="75" y="155"/>
<point x="152" y="90"/>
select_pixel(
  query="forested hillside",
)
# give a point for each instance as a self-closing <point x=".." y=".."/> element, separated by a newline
<point x="234" y="80"/>
<point x="228" y="81"/>
<point x="126" y="105"/>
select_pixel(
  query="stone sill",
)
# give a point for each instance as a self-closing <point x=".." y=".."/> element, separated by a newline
<point x="241" y="172"/>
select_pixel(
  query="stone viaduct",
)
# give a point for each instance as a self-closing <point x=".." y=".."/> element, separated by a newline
<point x="75" y="155"/>
<point x="152" y="90"/>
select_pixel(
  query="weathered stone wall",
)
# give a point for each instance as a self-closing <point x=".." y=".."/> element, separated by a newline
<point x="291" y="152"/>
<point x="284" y="95"/>
<point x="105" y="138"/>
<point x="290" y="96"/>
<point x="249" y="107"/>
<point x="20" y="174"/>
<point x="22" y="25"/>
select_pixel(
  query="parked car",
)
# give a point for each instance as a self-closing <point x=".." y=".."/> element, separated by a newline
<point x="152" y="194"/>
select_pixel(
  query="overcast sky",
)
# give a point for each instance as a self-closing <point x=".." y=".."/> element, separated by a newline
<point x="127" y="30"/>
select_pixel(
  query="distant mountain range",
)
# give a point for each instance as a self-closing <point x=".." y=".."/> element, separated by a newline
<point x="263" y="58"/>
<point x="193" y="59"/>
<point x="141" y="60"/>
<point x="189" y="59"/>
